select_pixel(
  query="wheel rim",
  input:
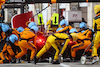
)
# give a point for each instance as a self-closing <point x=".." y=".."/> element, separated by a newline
<point x="83" y="60"/>
<point x="50" y="59"/>
<point x="61" y="59"/>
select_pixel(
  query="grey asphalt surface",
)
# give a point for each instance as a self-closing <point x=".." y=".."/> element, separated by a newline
<point x="45" y="64"/>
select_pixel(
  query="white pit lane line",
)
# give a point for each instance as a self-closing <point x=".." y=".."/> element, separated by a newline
<point x="27" y="64"/>
<point x="64" y="65"/>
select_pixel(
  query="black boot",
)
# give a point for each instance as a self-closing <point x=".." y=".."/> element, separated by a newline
<point x="73" y="60"/>
<point x="35" y="60"/>
<point x="5" y="61"/>
<point x="57" y="62"/>
<point x="19" y="60"/>
<point x="28" y="56"/>
<point x="29" y="62"/>
<point x="13" y="60"/>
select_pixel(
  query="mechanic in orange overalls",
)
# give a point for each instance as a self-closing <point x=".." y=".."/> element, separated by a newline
<point x="5" y="47"/>
<point x="25" y="44"/>
<point x="84" y="40"/>
<point x="4" y="59"/>
<point x="11" y="49"/>
<point x="11" y="41"/>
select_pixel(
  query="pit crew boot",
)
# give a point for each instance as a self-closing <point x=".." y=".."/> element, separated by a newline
<point x="95" y="60"/>
<point x="57" y="62"/>
<point x="19" y="61"/>
<point x="13" y="60"/>
<point x="35" y="60"/>
<point x="73" y="60"/>
<point x="5" y="61"/>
